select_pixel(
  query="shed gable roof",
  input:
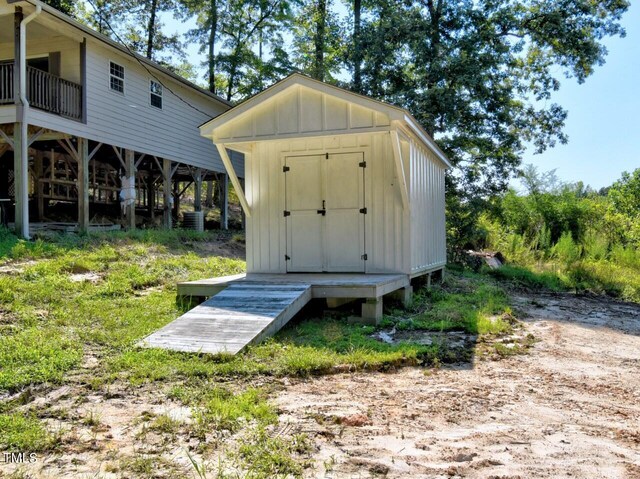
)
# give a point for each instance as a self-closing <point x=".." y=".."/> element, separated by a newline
<point x="301" y="106"/>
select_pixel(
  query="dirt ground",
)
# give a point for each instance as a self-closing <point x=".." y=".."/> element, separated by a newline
<point x="568" y="408"/>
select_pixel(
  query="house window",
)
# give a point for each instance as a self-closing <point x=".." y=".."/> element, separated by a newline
<point x="116" y="77"/>
<point x="155" y="90"/>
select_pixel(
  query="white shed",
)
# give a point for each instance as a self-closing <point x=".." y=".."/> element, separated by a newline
<point x="334" y="182"/>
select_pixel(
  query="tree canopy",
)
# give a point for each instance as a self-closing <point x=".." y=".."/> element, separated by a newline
<point x="478" y="74"/>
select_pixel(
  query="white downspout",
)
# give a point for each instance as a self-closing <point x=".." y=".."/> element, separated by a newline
<point x="24" y="135"/>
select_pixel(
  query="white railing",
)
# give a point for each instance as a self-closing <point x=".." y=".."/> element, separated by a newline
<point x="44" y="91"/>
<point x="6" y="83"/>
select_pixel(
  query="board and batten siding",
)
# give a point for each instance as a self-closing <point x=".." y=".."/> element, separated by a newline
<point x="301" y="112"/>
<point x="427" y="195"/>
<point x="128" y="120"/>
<point x="386" y="223"/>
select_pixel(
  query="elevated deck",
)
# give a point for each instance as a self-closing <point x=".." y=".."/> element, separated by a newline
<point x="323" y="285"/>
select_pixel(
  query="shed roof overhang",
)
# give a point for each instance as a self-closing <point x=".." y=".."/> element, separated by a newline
<point x="299" y="106"/>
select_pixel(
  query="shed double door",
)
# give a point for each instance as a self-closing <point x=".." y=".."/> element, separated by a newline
<point x="325" y="213"/>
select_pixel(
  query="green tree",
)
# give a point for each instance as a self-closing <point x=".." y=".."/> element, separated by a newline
<point x="625" y="194"/>
<point x="250" y="23"/>
<point x="243" y="43"/>
<point x="624" y="210"/>
<point x="479" y="74"/>
<point x="206" y="33"/>
<point x="65" y="6"/>
<point x="318" y="40"/>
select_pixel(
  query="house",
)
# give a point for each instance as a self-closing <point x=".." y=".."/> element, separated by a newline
<point x="89" y="123"/>
<point x="335" y="182"/>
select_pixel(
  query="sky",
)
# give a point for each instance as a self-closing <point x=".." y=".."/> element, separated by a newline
<point x="604" y="116"/>
<point x="603" y="123"/>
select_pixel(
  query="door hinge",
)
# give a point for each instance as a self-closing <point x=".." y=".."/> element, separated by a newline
<point x="326" y="156"/>
<point x="287" y="213"/>
<point x="362" y="164"/>
<point x="287" y="257"/>
<point x="285" y="169"/>
<point x="363" y="211"/>
<point x="364" y="256"/>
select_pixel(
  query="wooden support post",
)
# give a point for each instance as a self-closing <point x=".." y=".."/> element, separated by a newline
<point x="83" y="185"/>
<point x="151" y="193"/>
<point x="130" y="172"/>
<point x="242" y="213"/>
<point x="176" y="200"/>
<point x="372" y="311"/>
<point x="20" y="182"/>
<point x="20" y="139"/>
<point x="197" y="200"/>
<point x="223" y="185"/>
<point x="17" y="19"/>
<point x="404" y="295"/>
<point x="166" y="188"/>
<point x="39" y="173"/>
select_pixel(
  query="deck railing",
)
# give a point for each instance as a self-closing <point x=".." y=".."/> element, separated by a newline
<point x="44" y="91"/>
<point x="6" y="83"/>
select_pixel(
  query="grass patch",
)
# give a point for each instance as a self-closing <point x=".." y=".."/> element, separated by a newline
<point x="615" y="278"/>
<point x="465" y="302"/>
<point x="20" y="433"/>
<point x="56" y="315"/>
<point x="50" y="316"/>
<point x="34" y="355"/>
<point x="262" y="456"/>
<point x="164" y="424"/>
<point x="526" y="277"/>
<point x="220" y="409"/>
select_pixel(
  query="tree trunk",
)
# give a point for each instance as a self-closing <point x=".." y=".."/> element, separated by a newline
<point x="211" y="56"/>
<point x="209" y="198"/>
<point x="319" y="40"/>
<point x="151" y="28"/>
<point x="233" y="70"/>
<point x="357" y="47"/>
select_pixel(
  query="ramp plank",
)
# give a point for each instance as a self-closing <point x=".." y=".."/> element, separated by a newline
<point x="241" y="315"/>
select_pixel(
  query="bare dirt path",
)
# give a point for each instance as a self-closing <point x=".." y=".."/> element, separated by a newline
<point x="568" y="408"/>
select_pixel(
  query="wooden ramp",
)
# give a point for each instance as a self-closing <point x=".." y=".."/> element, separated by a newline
<point x="242" y="314"/>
